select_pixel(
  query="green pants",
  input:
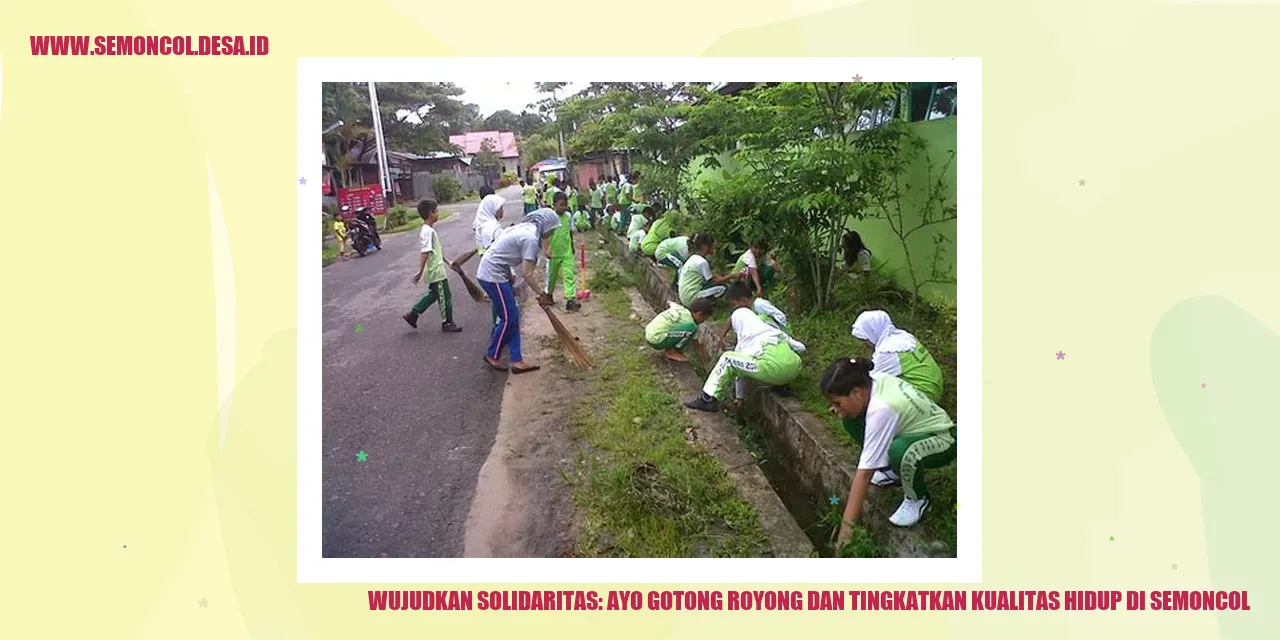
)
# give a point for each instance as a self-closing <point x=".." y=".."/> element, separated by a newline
<point x="909" y="456"/>
<point x="562" y="267"/>
<point x="671" y="260"/>
<point x="677" y="337"/>
<point x="776" y="365"/>
<point x="437" y="291"/>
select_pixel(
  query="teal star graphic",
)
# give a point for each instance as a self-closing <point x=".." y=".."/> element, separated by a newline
<point x="834" y="500"/>
<point x="362" y="456"/>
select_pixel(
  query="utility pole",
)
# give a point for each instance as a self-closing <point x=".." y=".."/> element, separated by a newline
<point x="383" y="169"/>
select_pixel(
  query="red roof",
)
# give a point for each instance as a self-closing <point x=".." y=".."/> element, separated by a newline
<point x="504" y="142"/>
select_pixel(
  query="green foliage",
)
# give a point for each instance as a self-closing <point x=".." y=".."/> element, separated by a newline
<point x="447" y="187"/>
<point x="398" y="216"/>
<point x="487" y="160"/>
<point x="508" y="178"/>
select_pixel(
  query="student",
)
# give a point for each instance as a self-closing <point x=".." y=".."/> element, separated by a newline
<point x="695" y="279"/>
<point x="635" y="238"/>
<point x="561" y="245"/>
<point x="615" y="218"/>
<point x="755" y="266"/>
<point x="597" y="201"/>
<point x="582" y="220"/>
<point x="340" y="233"/>
<point x="639" y="219"/>
<point x="611" y="191"/>
<point x="572" y="192"/>
<point x="774" y="317"/>
<point x="672" y="252"/>
<point x="896" y="427"/>
<point x="673" y="329"/>
<point x="517" y="247"/>
<point x="762" y="354"/>
<point x="530" y="197"/>
<point x="856" y="255"/>
<point x="898" y="353"/>
<point x="431" y="271"/>
<point x="660" y="231"/>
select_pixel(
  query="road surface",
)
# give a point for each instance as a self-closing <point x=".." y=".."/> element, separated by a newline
<point x="420" y="403"/>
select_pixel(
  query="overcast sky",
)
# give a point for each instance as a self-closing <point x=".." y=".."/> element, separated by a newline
<point x="512" y="96"/>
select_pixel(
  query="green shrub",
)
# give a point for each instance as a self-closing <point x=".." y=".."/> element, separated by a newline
<point x="508" y="178"/>
<point x="447" y="187"/>
<point x="398" y="216"/>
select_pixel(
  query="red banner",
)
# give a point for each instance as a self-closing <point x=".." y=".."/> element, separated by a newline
<point x="367" y="196"/>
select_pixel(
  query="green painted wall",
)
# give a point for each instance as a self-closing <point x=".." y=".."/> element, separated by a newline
<point x="940" y="135"/>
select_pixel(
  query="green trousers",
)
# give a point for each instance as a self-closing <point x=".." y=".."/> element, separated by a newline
<point x="437" y="291"/>
<point x="562" y="267"/>
<point x="776" y="365"/>
<point x="677" y="337"/>
<point x="909" y="456"/>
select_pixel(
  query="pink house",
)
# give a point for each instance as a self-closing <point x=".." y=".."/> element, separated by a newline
<point x="504" y="144"/>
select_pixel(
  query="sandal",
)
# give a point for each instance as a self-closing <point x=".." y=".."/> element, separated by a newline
<point x="516" y="371"/>
<point x="494" y="364"/>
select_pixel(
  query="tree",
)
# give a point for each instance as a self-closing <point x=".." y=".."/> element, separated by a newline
<point x="420" y="116"/>
<point x="487" y="161"/>
<point x="550" y="107"/>
<point x="536" y="148"/>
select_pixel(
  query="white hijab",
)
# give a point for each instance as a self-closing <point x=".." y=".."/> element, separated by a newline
<point x="878" y="328"/>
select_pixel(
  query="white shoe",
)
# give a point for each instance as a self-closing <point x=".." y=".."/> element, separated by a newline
<point x="796" y="345"/>
<point x="909" y="512"/>
<point x="885" y="478"/>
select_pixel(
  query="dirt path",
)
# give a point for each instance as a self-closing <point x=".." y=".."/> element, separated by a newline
<point x="521" y="506"/>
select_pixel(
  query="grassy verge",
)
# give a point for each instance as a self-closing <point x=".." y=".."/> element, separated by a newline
<point x="643" y="489"/>
<point x="328" y="255"/>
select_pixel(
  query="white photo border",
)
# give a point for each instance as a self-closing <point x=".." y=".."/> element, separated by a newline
<point x="966" y="567"/>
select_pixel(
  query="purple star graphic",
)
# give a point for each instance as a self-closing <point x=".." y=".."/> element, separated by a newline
<point x="302" y="181"/>
<point x="1062" y="356"/>
<point x="857" y="78"/>
<point x="1201" y="385"/>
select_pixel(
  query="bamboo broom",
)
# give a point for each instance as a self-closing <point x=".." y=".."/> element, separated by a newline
<point x="569" y="341"/>
<point x="473" y="289"/>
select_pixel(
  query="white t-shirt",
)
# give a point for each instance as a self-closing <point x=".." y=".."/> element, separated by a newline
<point x="519" y="243"/>
<point x="486" y="233"/>
<point x="864" y="260"/>
<point x="753" y="334"/>
<point x="698" y="264"/>
<point x="427" y="238"/>
<point x="749" y="260"/>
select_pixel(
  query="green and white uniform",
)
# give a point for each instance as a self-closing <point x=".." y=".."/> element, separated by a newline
<point x="638" y="221"/>
<point x="660" y="230"/>
<point x="695" y="280"/>
<point x="774" y="317"/>
<point x="904" y="431"/>
<point x="433" y="276"/>
<point x="898" y="353"/>
<point x="634" y="240"/>
<point x="761" y="354"/>
<point x="672" y="252"/>
<point x="573" y="199"/>
<point x="671" y="329"/>
<point x="530" y="198"/>
<point x="581" y="220"/>
<point x="747" y="261"/>
<point x="561" y="245"/>
<point x="611" y="193"/>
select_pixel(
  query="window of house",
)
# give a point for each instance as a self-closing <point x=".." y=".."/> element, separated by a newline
<point x="931" y="100"/>
<point x="943" y="101"/>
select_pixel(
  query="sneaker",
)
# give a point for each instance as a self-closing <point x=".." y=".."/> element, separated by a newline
<point x="449" y="327"/>
<point x="411" y="318"/>
<point x="885" y="478"/>
<point x="909" y="512"/>
<point x="572" y="305"/>
<point x="703" y="402"/>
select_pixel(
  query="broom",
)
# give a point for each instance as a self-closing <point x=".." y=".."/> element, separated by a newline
<point x="473" y="289"/>
<point x="569" y="341"/>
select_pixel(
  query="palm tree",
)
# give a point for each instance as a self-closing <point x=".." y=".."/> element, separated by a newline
<point x="552" y="88"/>
<point x="343" y="140"/>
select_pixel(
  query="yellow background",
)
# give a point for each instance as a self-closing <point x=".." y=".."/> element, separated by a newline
<point x="111" y="394"/>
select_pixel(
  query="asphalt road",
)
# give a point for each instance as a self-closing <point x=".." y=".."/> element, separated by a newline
<point x="419" y="403"/>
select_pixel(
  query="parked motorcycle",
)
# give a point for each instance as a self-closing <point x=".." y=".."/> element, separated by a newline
<point x="363" y="231"/>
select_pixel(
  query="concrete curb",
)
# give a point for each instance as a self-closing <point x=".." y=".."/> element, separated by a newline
<point x="806" y="445"/>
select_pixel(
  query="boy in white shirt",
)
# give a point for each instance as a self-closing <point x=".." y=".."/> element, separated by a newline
<point x="762" y="354"/>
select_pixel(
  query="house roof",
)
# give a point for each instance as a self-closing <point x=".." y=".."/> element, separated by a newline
<point x="504" y="142"/>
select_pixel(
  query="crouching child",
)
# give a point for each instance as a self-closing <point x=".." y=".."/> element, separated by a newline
<point x="673" y="329"/>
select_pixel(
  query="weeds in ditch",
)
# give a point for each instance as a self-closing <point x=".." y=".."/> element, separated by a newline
<point x="644" y="491"/>
<point x="860" y="545"/>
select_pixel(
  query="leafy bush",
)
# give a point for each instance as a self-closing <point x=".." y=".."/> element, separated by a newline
<point x="398" y="216"/>
<point x="447" y="187"/>
<point x="508" y="178"/>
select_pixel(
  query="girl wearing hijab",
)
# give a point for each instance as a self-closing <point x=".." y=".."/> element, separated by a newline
<point x="898" y="353"/>
<point x="896" y="427"/>
<point x="487" y="227"/>
<point x="518" y="247"/>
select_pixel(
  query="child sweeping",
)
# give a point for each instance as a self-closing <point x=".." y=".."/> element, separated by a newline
<point x="673" y="329"/>
<point x="561" y="245"/>
<point x="898" y="353"/>
<point x="762" y="354"/>
<point x="755" y="266"/>
<point x="518" y="248"/>
<point x="695" y="279"/>
<point x="896" y="427"/>
<point x="431" y="271"/>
